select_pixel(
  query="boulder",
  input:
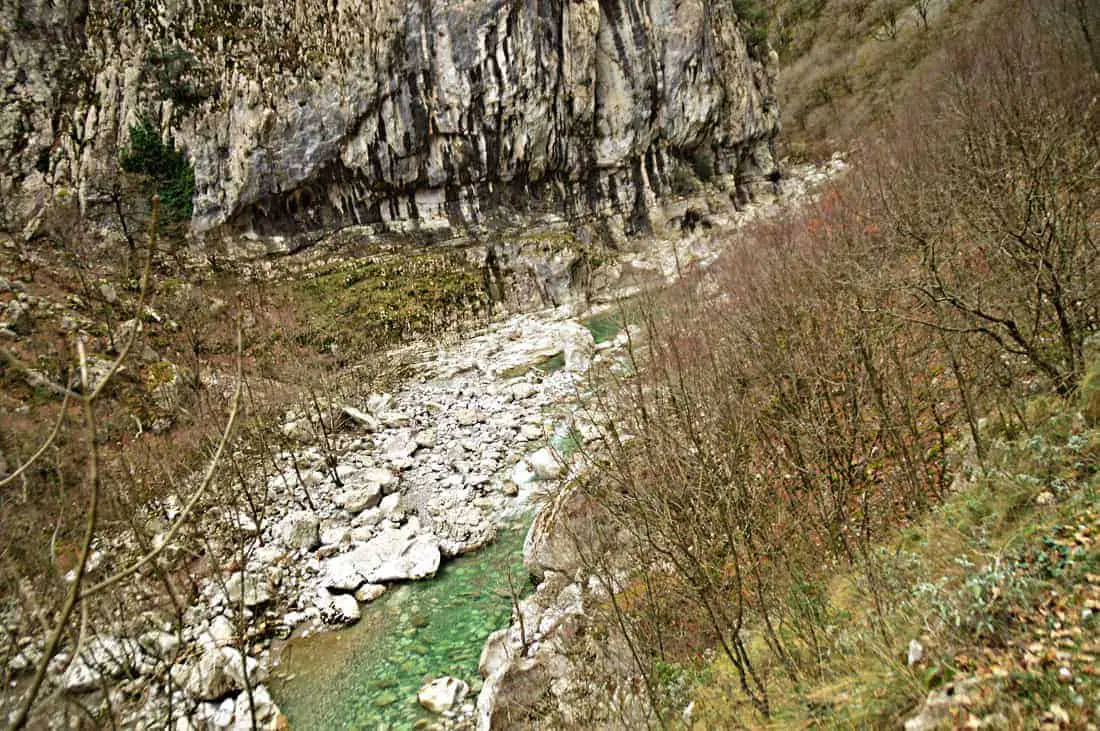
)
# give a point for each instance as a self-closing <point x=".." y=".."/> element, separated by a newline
<point x="217" y="673"/>
<point x="467" y="417"/>
<point x="426" y="438"/>
<point x="221" y="630"/>
<point x="300" y="530"/>
<point x="109" y="293"/>
<point x="522" y="474"/>
<point x="530" y="432"/>
<point x="223" y="714"/>
<point x="442" y="694"/>
<point x="338" y="608"/>
<point x="334" y="536"/>
<point x="126" y="330"/>
<point x="362" y="419"/>
<point x="523" y="390"/>
<point x="416" y="559"/>
<point x="578" y="345"/>
<point x="390" y="505"/>
<point x="252" y="587"/>
<point x="394" y="419"/>
<point x="380" y="476"/>
<point x="359" y="499"/>
<point x="369" y="592"/>
<point x="379" y="402"/>
<point x="98" y="371"/>
<point x="396" y="554"/>
<point x="18" y="317"/>
<point x="546" y="464"/>
<point x="344" y="572"/>
<point x="101" y="657"/>
<point x="400" y="446"/>
<point x="262" y="709"/>
<point x="159" y="644"/>
<point x="942" y="705"/>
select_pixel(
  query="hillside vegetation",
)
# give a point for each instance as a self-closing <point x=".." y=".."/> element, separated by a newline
<point x="858" y="459"/>
<point x="849" y="66"/>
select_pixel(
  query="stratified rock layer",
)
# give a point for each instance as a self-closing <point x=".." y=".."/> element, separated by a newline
<point x="304" y="116"/>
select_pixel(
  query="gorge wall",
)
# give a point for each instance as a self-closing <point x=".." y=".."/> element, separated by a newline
<point x="306" y="116"/>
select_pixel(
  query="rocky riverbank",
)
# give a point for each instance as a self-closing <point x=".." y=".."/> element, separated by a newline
<point x="421" y="475"/>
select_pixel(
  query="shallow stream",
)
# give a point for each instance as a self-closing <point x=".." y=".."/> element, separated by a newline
<point x="367" y="676"/>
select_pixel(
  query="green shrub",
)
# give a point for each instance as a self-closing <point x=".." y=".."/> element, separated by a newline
<point x="702" y="163"/>
<point x="982" y="607"/>
<point x="177" y="76"/>
<point x="752" y="15"/>
<point x="167" y="167"/>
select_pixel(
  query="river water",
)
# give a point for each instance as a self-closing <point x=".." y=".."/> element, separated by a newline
<point x="367" y="676"/>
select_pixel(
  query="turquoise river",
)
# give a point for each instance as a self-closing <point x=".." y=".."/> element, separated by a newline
<point x="367" y="676"/>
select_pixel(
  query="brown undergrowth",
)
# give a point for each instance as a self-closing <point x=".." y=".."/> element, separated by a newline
<point x="842" y="374"/>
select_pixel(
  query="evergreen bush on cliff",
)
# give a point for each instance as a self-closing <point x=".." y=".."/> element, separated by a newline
<point x="167" y="167"/>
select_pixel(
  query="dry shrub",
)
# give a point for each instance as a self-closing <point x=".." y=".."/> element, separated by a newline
<point x="995" y="189"/>
<point x="787" y="411"/>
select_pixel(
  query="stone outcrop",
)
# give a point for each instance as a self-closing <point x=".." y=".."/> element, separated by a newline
<point x="306" y="116"/>
<point x="442" y="694"/>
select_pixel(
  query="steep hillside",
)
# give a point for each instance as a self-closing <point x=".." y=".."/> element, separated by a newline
<point x="809" y="447"/>
<point x="849" y="66"/>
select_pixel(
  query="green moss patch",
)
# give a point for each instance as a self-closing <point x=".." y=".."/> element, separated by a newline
<point x="388" y="299"/>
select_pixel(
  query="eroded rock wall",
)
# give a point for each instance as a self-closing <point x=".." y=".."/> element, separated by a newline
<point x="304" y="116"/>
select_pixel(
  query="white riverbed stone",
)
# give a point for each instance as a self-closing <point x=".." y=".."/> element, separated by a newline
<point x="369" y="592"/>
<point x="442" y="694"/>
<point x="363" y="419"/>
<point x="359" y="499"/>
<point x="380" y="476"/>
<point x="545" y="464"/>
<point x="254" y="588"/>
<point x="395" y="554"/>
<point x="427" y="438"/>
<point x="101" y="657"/>
<point x="218" y="672"/>
<point x="338" y="608"/>
<point x="299" y="530"/>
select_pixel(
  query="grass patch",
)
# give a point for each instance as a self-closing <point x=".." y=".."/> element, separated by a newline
<point x="385" y="300"/>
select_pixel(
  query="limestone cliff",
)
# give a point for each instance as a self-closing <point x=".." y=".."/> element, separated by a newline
<point x="304" y="116"/>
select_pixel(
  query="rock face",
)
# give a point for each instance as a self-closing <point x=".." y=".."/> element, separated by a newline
<point x="302" y="116"/>
<point x="551" y="544"/>
<point x="561" y="645"/>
